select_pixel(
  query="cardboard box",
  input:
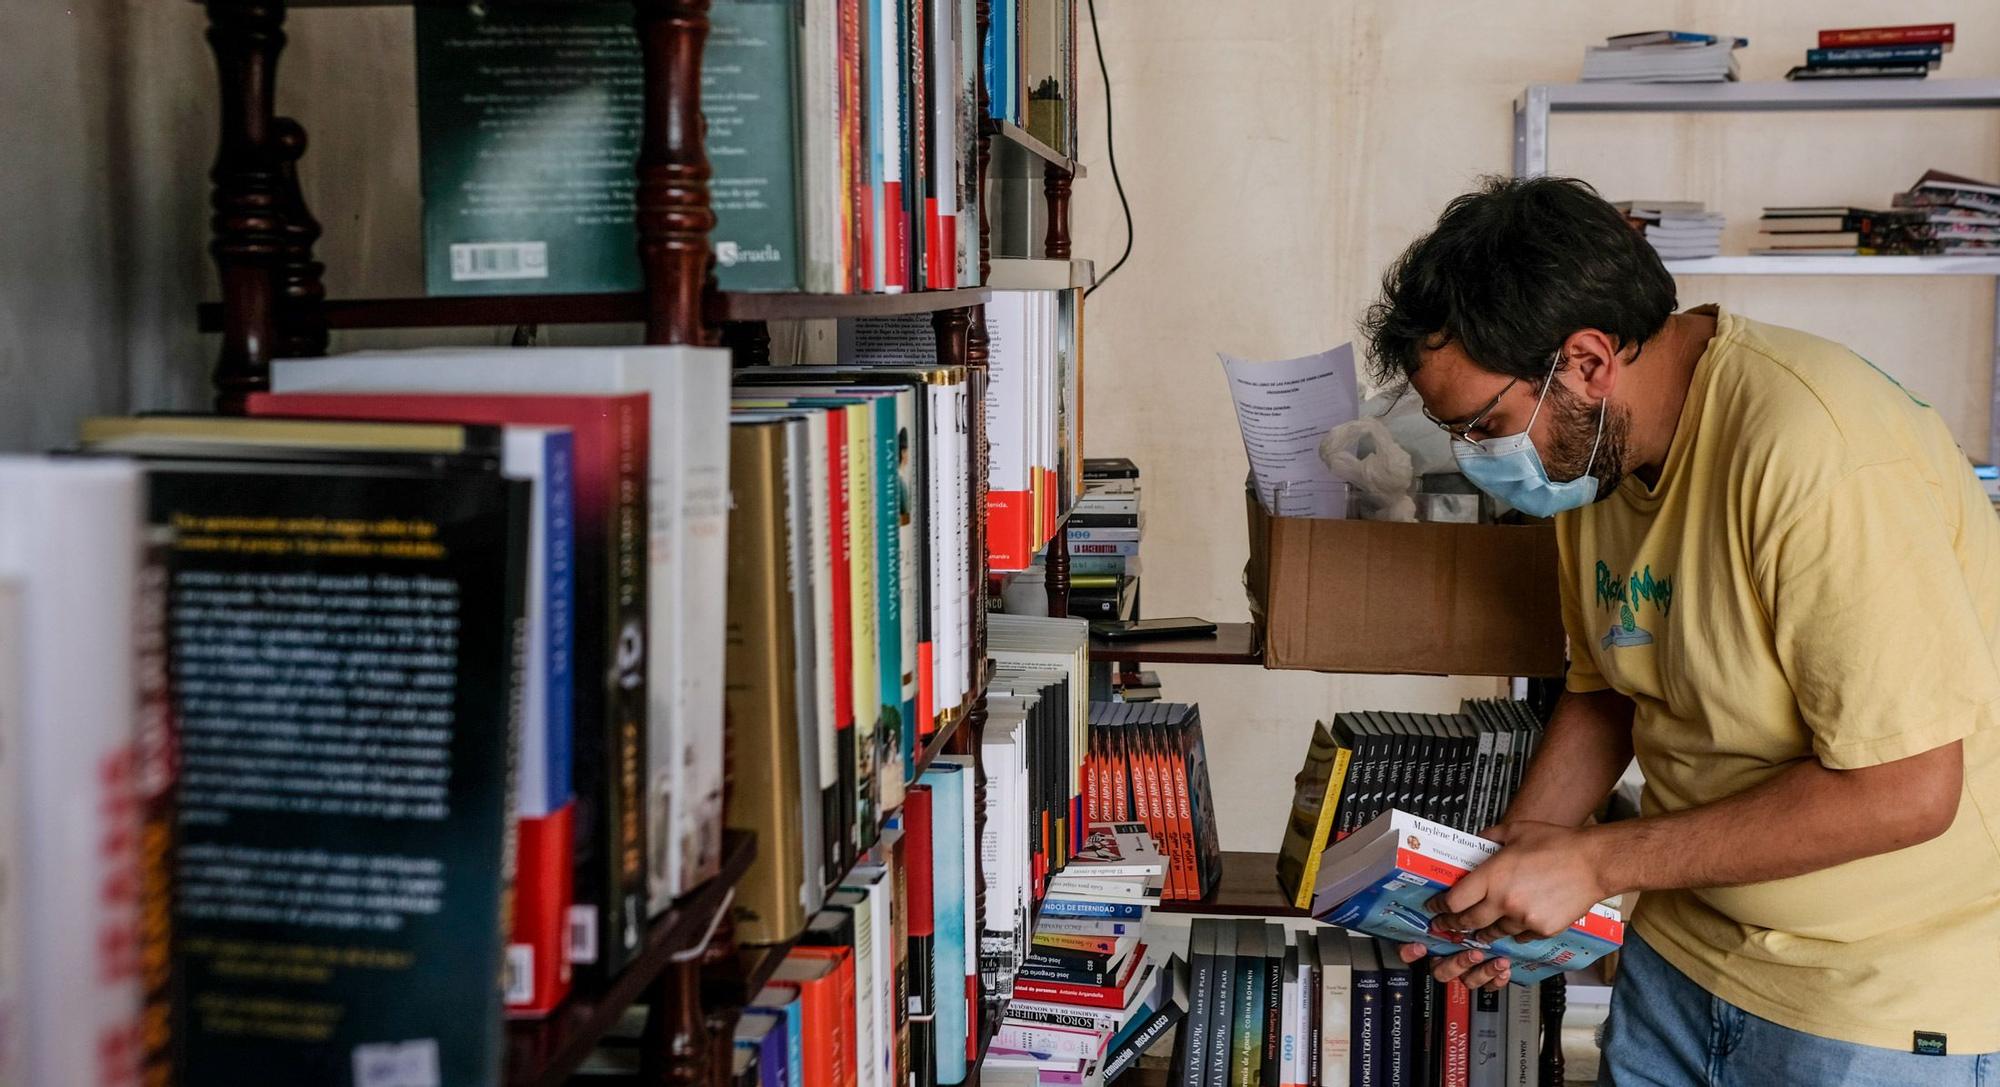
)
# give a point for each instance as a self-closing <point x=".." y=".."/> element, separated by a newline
<point x="1405" y="598"/>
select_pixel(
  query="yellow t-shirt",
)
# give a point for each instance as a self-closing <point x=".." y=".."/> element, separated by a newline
<point x="1815" y="576"/>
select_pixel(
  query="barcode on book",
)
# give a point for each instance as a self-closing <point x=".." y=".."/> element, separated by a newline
<point x="499" y="260"/>
<point x="397" y="1064"/>
<point x="583" y="935"/>
<point x="520" y="974"/>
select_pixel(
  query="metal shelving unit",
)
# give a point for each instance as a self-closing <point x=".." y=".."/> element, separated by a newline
<point x="1540" y="101"/>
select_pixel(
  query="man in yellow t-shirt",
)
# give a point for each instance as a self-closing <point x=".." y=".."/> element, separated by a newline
<point x="1781" y="585"/>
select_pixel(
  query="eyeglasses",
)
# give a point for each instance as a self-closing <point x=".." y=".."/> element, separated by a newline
<point x="1463" y="431"/>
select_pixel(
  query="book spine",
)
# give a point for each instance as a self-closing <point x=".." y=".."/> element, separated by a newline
<point x="1127" y="1055"/>
<point x="1089" y="996"/>
<point x="628" y="635"/>
<point x="1120" y="911"/>
<point x="1180" y="809"/>
<point x="1037" y="972"/>
<point x="1222" y="1008"/>
<point x="1367" y="1050"/>
<point x="1079" y="1019"/>
<point x="1524" y="1020"/>
<point x="1889" y="35"/>
<point x="1055" y="1043"/>
<point x="1247" y="1037"/>
<point x="1456" y="1057"/>
<point x="1274" y="992"/>
<point x="1192" y="1052"/>
<point x="1876" y="54"/>
<point x="1488" y="1049"/>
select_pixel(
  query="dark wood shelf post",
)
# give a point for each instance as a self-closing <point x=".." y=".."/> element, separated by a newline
<point x="1555" y="1002"/>
<point x="1056" y="574"/>
<point x="1055" y="189"/>
<point x="673" y="213"/>
<point x="676" y="1049"/>
<point x="302" y="329"/>
<point x="246" y="37"/>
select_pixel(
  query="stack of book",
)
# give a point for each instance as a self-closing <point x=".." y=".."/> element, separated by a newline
<point x="1837" y="231"/>
<point x="1327" y="1007"/>
<point x="1952" y="214"/>
<point x="1087" y="1000"/>
<point x="1105" y="530"/>
<point x="1147" y="764"/>
<point x="1676" y="229"/>
<point x="1662" y="56"/>
<point x="1877" y="52"/>
<point x="842" y="134"/>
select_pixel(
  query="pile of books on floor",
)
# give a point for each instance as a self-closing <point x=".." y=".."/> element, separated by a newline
<point x="1941" y="214"/>
<point x="1676" y="229"/>
<point x="1105" y="530"/>
<point x="1146" y="764"/>
<point x="1878" y="52"/>
<point x="1662" y="56"/>
<point x="1331" y="1008"/>
<point x="1088" y="1000"/>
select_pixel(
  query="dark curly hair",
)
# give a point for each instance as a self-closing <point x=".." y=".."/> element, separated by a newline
<point x="1509" y="272"/>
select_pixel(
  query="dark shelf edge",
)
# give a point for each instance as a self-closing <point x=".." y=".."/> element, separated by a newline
<point x="1019" y="137"/>
<point x="1255" y="892"/>
<point x="555" y="1046"/>
<point x="610" y="309"/>
<point x="1185" y="650"/>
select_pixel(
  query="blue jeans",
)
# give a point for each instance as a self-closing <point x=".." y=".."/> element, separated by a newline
<point x="1666" y="1031"/>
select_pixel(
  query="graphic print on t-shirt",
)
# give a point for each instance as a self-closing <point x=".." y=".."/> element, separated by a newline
<point x="1626" y="598"/>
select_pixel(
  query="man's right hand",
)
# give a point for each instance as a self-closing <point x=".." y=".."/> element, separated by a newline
<point x="1476" y="969"/>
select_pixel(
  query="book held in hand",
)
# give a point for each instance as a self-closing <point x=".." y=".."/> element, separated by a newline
<point x="1381" y="879"/>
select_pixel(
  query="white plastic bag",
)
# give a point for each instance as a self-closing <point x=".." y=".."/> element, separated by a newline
<point x="1366" y="454"/>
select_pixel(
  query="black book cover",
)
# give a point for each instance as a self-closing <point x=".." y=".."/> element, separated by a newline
<point x="1269" y="1071"/>
<point x="1109" y="468"/>
<point x="1170" y="1013"/>
<point x="1222" y="1007"/>
<point x="1069" y="975"/>
<point x="1436" y="766"/>
<point x="1464" y="738"/>
<point x="1381" y="754"/>
<point x="1103" y="520"/>
<point x="1192" y="1050"/>
<point x="345" y="643"/>
<point x="1367" y="1052"/>
<point x="1314" y="978"/>
<point x="1399" y="1018"/>
<point x="1069" y="958"/>
<point x="1351" y="738"/>
<point x="1425" y="1044"/>
<point x="832" y="926"/>
<point x="1201" y="804"/>
<point x="1416" y="762"/>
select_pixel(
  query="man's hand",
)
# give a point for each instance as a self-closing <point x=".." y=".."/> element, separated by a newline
<point x="1544" y="877"/>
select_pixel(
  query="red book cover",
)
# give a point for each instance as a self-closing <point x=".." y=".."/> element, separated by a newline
<point x="1008" y="514"/>
<point x="847" y="1041"/>
<point x="538" y="967"/>
<point x="895" y="239"/>
<point x="1158" y="822"/>
<point x="948" y="249"/>
<point x="940" y="264"/>
<point x="926" y="690"/>
<point x="1121" y="779"/>
<point x="843" y="556"/>
<point x="609" y="436"/>
<point x="818" y="983"/>
<point x="917" y="859"/>
<point x="1457" y="1062"/>
<point x="1917" y="34"/>
<point x="1180" y="807"/>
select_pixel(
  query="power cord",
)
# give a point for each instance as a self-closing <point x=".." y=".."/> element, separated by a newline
<point x="1111" y="152"/>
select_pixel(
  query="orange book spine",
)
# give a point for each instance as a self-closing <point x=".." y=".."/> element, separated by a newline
<point x="843" y="1037"/>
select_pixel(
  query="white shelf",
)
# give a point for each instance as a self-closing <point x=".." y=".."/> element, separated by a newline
<point x="1038" y="274"/>
<point x="1837" y="266"/>
<point x="1850" y="94"/>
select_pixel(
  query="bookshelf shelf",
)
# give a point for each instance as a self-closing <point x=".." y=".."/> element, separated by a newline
<point x="1233" y="643"/>
<point x="1773" y="96"/>
<point x="1249" y="886"/>
<point x="1837" y="266"/>
<point x="1015" y="137"/>
<point x="547" y="1051"/>
<point x="626" y="308"/>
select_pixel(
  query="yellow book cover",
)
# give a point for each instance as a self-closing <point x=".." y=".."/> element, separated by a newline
<point x="1315" y="797"/>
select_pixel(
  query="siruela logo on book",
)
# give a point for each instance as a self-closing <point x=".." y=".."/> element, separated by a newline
<point x="1625" y="597"/>
<point x="731" y="254"/>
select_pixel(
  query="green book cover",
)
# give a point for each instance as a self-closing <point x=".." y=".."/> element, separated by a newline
<point x="530" y="118"/>
<point x="1246" y="1052"/>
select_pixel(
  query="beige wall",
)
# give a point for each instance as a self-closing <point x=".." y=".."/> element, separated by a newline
<point x="1279" y="153"/>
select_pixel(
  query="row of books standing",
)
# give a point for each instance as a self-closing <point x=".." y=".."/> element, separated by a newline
<point x="842" y="134"/>
<point x="1147" y="764"/>
<point x="1943" y="214"/>
<point x="1327" y="1007"/>
<point x="1088" y="999"/>
<point x="1877" y="52"/>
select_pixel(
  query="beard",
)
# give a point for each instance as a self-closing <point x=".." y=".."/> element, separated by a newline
<point x="1573" y="431"/>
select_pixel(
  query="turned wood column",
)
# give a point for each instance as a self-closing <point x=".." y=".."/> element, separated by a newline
<point x="1056" y="574"/>
<point x="248" y="200"/>
<point x="676" y="1050"/>
<point x="1055" y="189"/>
<point x="301" y="289"/>
<point x="1555" y="1002"/>
<point x="673" y="214"/>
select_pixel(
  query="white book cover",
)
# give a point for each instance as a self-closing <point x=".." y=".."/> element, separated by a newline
<point x="826" y="718"/>
<point x="820" y="175"/>
<point x="70" y="542"/>
<point x="877" y="889"/>
<point x="688" y="496"/>
<point x="1115" y="849"/>
<point x="1007" y="368"/>
<point x="800" y="548"/>
<point x="942" y="52"/>
<point x="1289" y="1022"/>
<point x="13" y="1013"/>
<point x="868" y="985"/>
<point x="1524" y="1029"/>
<point x="1336" y="992"/>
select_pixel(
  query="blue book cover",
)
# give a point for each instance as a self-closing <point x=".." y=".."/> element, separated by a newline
<point x="764" y="1036"/>
<point x="559" y="536"/>
<point x="782" y="1003"/>
<point x="1110" y="911"/>
<point x="953" y="1017"/>
<point x="1875" y="54"/>
<point x="1394" y="909"/>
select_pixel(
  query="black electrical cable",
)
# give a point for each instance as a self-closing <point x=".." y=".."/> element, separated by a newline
<point x="1111" y="152"/>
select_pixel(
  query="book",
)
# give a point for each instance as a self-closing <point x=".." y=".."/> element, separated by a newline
<point x="1147" y="1031"/>
<point x="1488" y="1055"/>
<point x="80" y="580"/>
<point x="1914" y="34"/>
<point x="1523" y="1005"/>
<point x="816" y="979"/>
<point x="869" y="893"/>
<point x="355" y="558"/>
<point x="1929" y="54"/>
<point x="1315" y="800"/>
<point x="1115" y="849"/>
<point x="1092" y="996"/>
<point x="767" y="1039"/>
<point x="1398" y="1040"/>
<point x="1367" y="1017"/>
<point x="1380" y="880"/>
<point x="846" y="1005"/>
<point x="1274" y="991"/>
<point x="921" y="867"/>
<point x="949" y="796"/>
<point x="1916" y="70"/>
<point x="609" y="439"/>
<point x="686" y="503"/>
<point x="1336" y="992"/>
<point x="1663" y="37"/>
<point x="781" y="1006"/>
<point x="1222" y="1013"/>
<point x="1455" y="1035"/>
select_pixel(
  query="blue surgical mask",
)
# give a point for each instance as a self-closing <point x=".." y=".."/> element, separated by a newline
<point x="1509" y="468"/>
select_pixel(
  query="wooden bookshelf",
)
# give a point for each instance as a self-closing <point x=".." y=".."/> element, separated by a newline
<point x="1249" y="886"/>
<point x="544" y="1052"/>
<point x="1232" y="643"/>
